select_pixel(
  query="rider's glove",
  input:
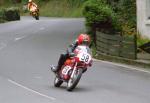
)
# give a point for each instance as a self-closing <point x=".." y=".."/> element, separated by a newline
<point x="71" y="54"/>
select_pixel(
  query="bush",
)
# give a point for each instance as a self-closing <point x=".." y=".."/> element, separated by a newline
<point x="127" y="13"/>
<point x="11" y="14"/>
<point x="100" y="15"/>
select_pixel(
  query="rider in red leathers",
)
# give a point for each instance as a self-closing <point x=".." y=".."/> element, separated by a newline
<point x="82" y="39"/>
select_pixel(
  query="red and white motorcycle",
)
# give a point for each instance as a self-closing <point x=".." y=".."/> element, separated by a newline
<point x="73" y="68"/>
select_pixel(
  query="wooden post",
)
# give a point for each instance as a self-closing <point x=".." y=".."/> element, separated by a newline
<point x="135" y="43"/>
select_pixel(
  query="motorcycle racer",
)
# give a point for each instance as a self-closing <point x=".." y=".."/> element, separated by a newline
<point x="31" y="5"/>
<point x="82" y="39"/>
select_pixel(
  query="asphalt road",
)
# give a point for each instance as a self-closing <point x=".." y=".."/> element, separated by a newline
<point x="27" y="49"/>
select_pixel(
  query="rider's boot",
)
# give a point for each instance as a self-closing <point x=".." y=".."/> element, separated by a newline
<point x="54" y="68"/>
<point x="61" y="61"/>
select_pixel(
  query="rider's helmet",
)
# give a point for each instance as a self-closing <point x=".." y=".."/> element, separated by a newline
<point x="30" y="1"/>
<point x="83" y="39"/>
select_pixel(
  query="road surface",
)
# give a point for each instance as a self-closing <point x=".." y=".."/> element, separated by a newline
<point x="28" y="48"/>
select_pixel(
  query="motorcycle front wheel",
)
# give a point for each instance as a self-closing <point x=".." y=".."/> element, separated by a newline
<point x="57" y="82"/>
<point x="74" y="81"/>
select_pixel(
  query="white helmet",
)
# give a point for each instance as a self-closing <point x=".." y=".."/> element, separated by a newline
<point x="30" y="0"/>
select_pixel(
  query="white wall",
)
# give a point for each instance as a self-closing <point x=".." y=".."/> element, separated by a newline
<point x="143" y="12"/>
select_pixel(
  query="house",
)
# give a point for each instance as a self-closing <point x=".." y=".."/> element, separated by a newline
<point x="143" y="17"/>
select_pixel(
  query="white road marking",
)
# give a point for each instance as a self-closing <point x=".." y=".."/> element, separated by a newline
<point x="19" y="38"/>
<point x="125" y="66"/>
<point x="33" y="91"/>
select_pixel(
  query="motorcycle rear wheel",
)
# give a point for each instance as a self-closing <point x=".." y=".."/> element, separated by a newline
<point x="57" y="82"/>
<point x="37" y="17"/>
<point x="72" y="83"/>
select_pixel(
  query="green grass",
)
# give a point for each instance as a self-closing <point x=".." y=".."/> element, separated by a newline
<point x="55" y="8"/>
<point x="5" y="3"/>
<point x="142" y="40"/>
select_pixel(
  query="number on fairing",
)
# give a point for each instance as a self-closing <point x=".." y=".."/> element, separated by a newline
<point x="65" y="70"/>
<point x="84" y="57"/>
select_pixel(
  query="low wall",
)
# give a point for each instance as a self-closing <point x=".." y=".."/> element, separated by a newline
<point x="116" y="45"/>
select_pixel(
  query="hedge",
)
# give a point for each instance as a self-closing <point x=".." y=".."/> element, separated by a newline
<point x="100" y="15"/>
<point x="12" y="14"/>
<point x="9" y="14"/>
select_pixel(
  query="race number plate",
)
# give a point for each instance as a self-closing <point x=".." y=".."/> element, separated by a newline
<point x="66" y="70"/>
<point x="85" y="57"/>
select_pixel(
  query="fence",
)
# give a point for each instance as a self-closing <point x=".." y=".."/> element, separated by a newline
<point x="116" y="45"/>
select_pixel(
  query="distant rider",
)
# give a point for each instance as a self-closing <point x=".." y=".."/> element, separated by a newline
<point x="82" y="39"/>
<point x="31" y="6"/>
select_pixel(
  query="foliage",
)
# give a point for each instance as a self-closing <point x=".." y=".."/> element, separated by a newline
<point x="127" y="13"/>
<point x="24" y="1"/>
<point x="111" y="16"/>
<point x="141" y="40"/>
<point x="2" y="15"/>
<point x="75" y="3"/>
<point x="99" y="15"/>
<point x="63" y="8"/>
<point x="9" y="14"/>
